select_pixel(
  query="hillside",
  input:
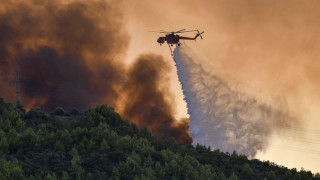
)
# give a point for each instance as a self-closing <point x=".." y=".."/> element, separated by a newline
<point x="102" y="145"/>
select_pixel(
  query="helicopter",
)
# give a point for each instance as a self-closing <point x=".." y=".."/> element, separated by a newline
<point x="172" y="37"/>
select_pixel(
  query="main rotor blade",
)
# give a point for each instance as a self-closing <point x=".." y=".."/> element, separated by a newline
<point x="180" y="30"/>
<point x="171" y="32"/>
<point x="186" y="31"/>
<point x="163" y="31"/>
<point x="159" y="31"/>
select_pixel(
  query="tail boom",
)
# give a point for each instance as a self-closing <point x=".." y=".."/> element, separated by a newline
<point x="197" y="35"/>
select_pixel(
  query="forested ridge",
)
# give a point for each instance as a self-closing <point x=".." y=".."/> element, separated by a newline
<point x="100" y="144"/>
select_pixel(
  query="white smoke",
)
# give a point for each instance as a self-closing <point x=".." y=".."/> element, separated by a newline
<point x="221" y="117"/>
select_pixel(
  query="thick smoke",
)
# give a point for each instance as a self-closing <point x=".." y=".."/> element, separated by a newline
<point x="148" y="100"/>
<point x="66" y="52"/>
<point x="70" y="54"/>
<point x="221" y="117"/>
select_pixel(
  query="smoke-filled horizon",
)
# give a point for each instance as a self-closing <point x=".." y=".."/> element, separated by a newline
<point x="74" y="53"/>
<point x="269" y="47"/>
<point x="70" y="54"/>
<point x="220" y="116"/>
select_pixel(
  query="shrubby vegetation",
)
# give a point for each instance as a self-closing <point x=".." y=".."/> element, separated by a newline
<point x="102" y="145"/>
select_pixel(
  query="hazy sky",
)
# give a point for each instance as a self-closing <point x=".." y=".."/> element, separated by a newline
<point x="267" y="48"/>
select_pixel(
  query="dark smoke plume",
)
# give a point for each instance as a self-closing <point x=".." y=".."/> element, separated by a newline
<point x="69" y="54"/>
<point x="147" y="101"/>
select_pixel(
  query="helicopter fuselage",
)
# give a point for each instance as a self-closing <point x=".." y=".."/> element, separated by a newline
<point x="170" y="38"/>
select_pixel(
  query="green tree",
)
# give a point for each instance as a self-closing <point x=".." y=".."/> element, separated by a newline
<point x="222" y="176"/>
<point x="58" y="146"/>
<point x="271" y="175"/>
<point x="65" y="176"/>
<point x="50" y="176"/>
<point x="29" y="139"/>
<point x="233" y="177"/>
<point x="20" y="125"/>
<point x="3" y="142"/>
<point x="131" y="167"/>
<point x="287" y="175"/>
<point x="246" y="170"/>
<point x="189" y="166"/>
<point x="297" y="176"/>
<point x="207" y="172"/>
<point x="10" y="170"/>
<point x="159" y="170"/>
<point x="19" y="107"/>
<point x="76" y="169"/>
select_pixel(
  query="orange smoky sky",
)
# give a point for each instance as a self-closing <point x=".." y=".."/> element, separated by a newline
<point x="91" y="50"/>
<point x="268" y="49"/>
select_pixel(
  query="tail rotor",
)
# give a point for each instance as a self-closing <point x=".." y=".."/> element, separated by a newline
<point x="200" y="33"/>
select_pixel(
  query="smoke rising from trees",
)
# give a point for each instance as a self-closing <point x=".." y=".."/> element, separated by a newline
<point x="148" y="100"/>
<point x="70" y="55"/>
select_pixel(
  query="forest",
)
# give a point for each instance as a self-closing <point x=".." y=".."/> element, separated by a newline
<point x="100" y="144"/>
